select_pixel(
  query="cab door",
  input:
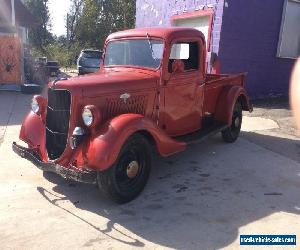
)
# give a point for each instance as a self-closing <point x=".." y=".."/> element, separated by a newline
<point x="183" y="89"/>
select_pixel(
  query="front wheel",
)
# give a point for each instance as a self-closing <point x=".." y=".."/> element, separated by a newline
<point x="128" y="176"/>
<point x="231" y="133"/>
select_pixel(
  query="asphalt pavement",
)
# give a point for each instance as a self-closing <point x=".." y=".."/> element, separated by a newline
<point x="203" y="198"/>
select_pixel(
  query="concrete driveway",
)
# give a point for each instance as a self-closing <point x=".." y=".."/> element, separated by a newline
<point x="203" y="198"/>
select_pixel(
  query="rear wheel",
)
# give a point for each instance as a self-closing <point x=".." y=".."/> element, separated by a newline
<point x="231" y="133"/>
<point x="128" y="176"/>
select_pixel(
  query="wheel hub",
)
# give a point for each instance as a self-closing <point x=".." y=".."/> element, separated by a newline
<point x="237" y="122"/>
<point x="132" y="169"/>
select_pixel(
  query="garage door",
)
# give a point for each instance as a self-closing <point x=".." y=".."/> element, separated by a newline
<point x="200" y="23"/>
<point x="10" y="56"/>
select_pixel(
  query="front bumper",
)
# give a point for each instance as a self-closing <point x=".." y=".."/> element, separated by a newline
<point x="89" y="177"/>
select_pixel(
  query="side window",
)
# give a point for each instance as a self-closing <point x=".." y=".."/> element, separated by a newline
<point x="180" y="51"/>
<point x="185" y="53"/>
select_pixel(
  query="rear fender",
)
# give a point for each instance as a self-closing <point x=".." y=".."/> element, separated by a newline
<point x="33" y="133"/>
<point x="227" y="100"/>
<point x="101" y="151"/>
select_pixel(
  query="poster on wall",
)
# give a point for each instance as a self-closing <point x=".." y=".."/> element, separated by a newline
<point x="10" y="60"/>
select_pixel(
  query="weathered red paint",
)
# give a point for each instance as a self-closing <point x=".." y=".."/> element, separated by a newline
<point x="43" y="106"/>
<point x="33" y="133"/>
<point x="172" y="104"/>
<point x="226" y="102"/>
<point x="101" y="150"/>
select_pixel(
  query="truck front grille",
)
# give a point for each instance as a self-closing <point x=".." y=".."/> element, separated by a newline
<point x="57" y="122"/>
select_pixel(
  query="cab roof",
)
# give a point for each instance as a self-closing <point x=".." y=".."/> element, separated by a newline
<point x="166" y="33"/>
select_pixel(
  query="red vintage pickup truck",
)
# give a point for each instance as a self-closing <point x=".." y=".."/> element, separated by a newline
<point x="152" y="91"/>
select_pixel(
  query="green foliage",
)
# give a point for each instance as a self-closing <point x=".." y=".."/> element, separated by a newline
<point x="99" y="18"/>
<point x="88" y="24"/>
<point x="40" y="35"/>
<point x="59" y="51"/>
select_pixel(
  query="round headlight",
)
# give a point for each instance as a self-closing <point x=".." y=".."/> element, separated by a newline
<point x="87" y="116"/>
<point x="35" y="105"/>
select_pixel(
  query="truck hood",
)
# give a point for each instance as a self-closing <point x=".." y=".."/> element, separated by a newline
<point x="109" y="81"/>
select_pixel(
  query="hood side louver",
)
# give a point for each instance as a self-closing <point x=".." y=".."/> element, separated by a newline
<point x="117" y="106"/>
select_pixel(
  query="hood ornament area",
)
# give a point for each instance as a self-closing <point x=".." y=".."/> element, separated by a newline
<point x="125" y="97"/>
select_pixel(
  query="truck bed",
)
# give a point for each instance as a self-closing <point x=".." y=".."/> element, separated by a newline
<point x="214" y="84"/>
<point x="235" y="79"/>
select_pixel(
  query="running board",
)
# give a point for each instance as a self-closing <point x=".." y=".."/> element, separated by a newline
<point x="202" y="134"/>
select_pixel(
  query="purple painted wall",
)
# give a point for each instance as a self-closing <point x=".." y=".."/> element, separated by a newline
<point x="151" y="13"/>
<point x="244" y="34"/>
<point x="249" y="40"/>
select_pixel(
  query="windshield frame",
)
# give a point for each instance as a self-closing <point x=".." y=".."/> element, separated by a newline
<point x="152" y="38"/>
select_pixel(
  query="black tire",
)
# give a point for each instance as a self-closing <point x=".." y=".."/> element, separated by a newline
<point x="127" y="178"/>
<point x="231" y="133"/>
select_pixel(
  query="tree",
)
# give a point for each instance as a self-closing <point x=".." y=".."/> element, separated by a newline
<point x="120" y="13"/>
<point x="40" y="35"/>
<point x="88" y="23"/>
<point x="72" y="19"/>
<point x="96" y="19"/>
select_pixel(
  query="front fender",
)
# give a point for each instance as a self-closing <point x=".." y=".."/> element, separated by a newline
<point x="101" y="151"/>
<point x="227" y="100"/>
<point x="33" y="133"/>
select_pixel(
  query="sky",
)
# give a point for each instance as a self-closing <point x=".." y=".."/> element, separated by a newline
<point x="58" y="12"/>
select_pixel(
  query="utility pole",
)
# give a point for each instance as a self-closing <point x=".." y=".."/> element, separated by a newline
<point x="68" y="38"/>
<point x="13" y="13"/>
<point x="68" y="31"/>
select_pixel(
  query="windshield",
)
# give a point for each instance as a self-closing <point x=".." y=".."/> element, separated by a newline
<point x="138" y="52"/>
<point x="91" y="54"/>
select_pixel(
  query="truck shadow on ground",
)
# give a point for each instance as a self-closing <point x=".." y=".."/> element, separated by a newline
<point x="289" y="148"/>
<point x="198" y="199"/>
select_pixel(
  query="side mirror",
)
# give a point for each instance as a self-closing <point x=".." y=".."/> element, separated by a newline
<point x="177" y="66"/>
<point x="211" y="57"/>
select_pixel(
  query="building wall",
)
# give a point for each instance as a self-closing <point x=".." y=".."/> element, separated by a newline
<point x="249" y="40"/>
<point x="158" y="13"/>
<point x="244" y="34"/>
